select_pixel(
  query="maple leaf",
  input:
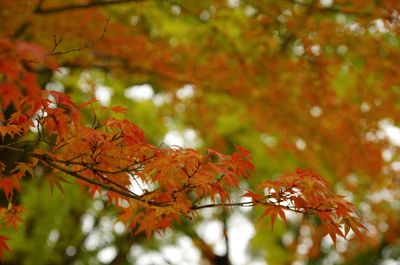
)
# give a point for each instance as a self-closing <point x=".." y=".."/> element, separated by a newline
<point x="273" y="212"/>
<point x="3" y="246"/>
<point x="23" y="168"/>
<point x="55" y="180"/>
<point x="29" y="51"/>
<point x="119" y="109"/>
<point x="332" y="230"/>
<point x="254" y="196"/>
<point x="2" y="166"/>
<point x="12" y="215"/>
<point x="10" y="94"/>
<point x="87" y="103"/>
<point x="8" y="185"/>
<point x="11" y="130"/>
<point x="31" y="84"/>
<point x="10" y="67"/>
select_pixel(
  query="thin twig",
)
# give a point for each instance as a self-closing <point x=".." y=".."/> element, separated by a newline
<point x="56" y="43"/>
<point x="87" y="45"/>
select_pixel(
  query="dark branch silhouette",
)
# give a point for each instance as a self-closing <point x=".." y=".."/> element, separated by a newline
<point x="92" y="4"/>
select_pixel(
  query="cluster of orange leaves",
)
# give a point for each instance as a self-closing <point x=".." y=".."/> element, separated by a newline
<point x="110" y="156"/>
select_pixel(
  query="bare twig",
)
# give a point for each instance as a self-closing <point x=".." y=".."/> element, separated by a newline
<point x="87" y="45"/>
<point x="56" y="43"/>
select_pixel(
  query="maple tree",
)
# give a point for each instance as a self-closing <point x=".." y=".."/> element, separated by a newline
<point x="314" y="96"/>
<point x="112" y="153"/>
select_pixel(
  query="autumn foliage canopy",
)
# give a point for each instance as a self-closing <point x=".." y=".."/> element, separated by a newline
<point x="324" y="97"/>
<point x="110" y="153"/>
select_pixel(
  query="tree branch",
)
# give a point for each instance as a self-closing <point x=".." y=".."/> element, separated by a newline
<point x="302" y="210"/>
<point x="331" y="9"/>
<point x="48" y="161"/>
<point x="136" y="69"/>
<point x="128" y="194"/>
<point x="43" y="11"/>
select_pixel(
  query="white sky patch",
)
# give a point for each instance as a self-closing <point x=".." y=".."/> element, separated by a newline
<point x="103" y="94"/>
<point x="352" y="178"/>
<point x="183" y="252"/>
<point x="293" y="217"/>
<point x="395" y="166"/>
<point x="391" y="131"/>
<point x="106" y="224"/>
<point x="140" y="92"/>
<point x="383" y="227"/>
<point x="134" y="252"/>
<point x="173" y="254"/>
<point x="288" y="238"/>
<point x="93" y="241"/>
<point x="205" y="15"/>
<point x="316" y="49"/>
<point x="53" y="237"/>
<point x="70" y="251"/>
<point x="52" y="105"/>
<point x="62" y="72"/>
<point x="187" y="91"/>
<point x="162" y="99"/>
<point x="245" y="209"/>
<point x="123" y="203"/>
<point x="211" y="233"/>
<point x="250" y="11"/>
<point x="150" y="258"/>
<point x="138" y="186"/>
<point x="365" y="107"/>
<point x="87" y="223"/>
<point x="187" y="138"/>
<point x="240" y="231"/>
<point x="107" y="254"/>
<point x="326" y="3"/>
<point x="268" y="139"/>
<point x="233" y="3"/>
<point x="208" y="213"/>
<point x="300" y="144"/>
<point x="387" y="154"/>
<point x="332" y="257"/>
<point x="192" y="254"/>
<point x="134" y="20"/>
<point x="98" y="205"/>
<point x="85" y="82"/>
<point x="355" y="28"/>
<point x="176" y="10"/>
<point x="56" y="86"/>
<point x="341" y="244"/>
<point x="34" y="128"/>
<point x="257" y="262"/>
<point x="119" y="228"/>
<point x="97" y="236"/>
<point x="390" y="262"/>
<point x="378" y="26"/>
<point x="316" y="111"/>
<point x="382" y="195"/>
<point x="298" y="49"/>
